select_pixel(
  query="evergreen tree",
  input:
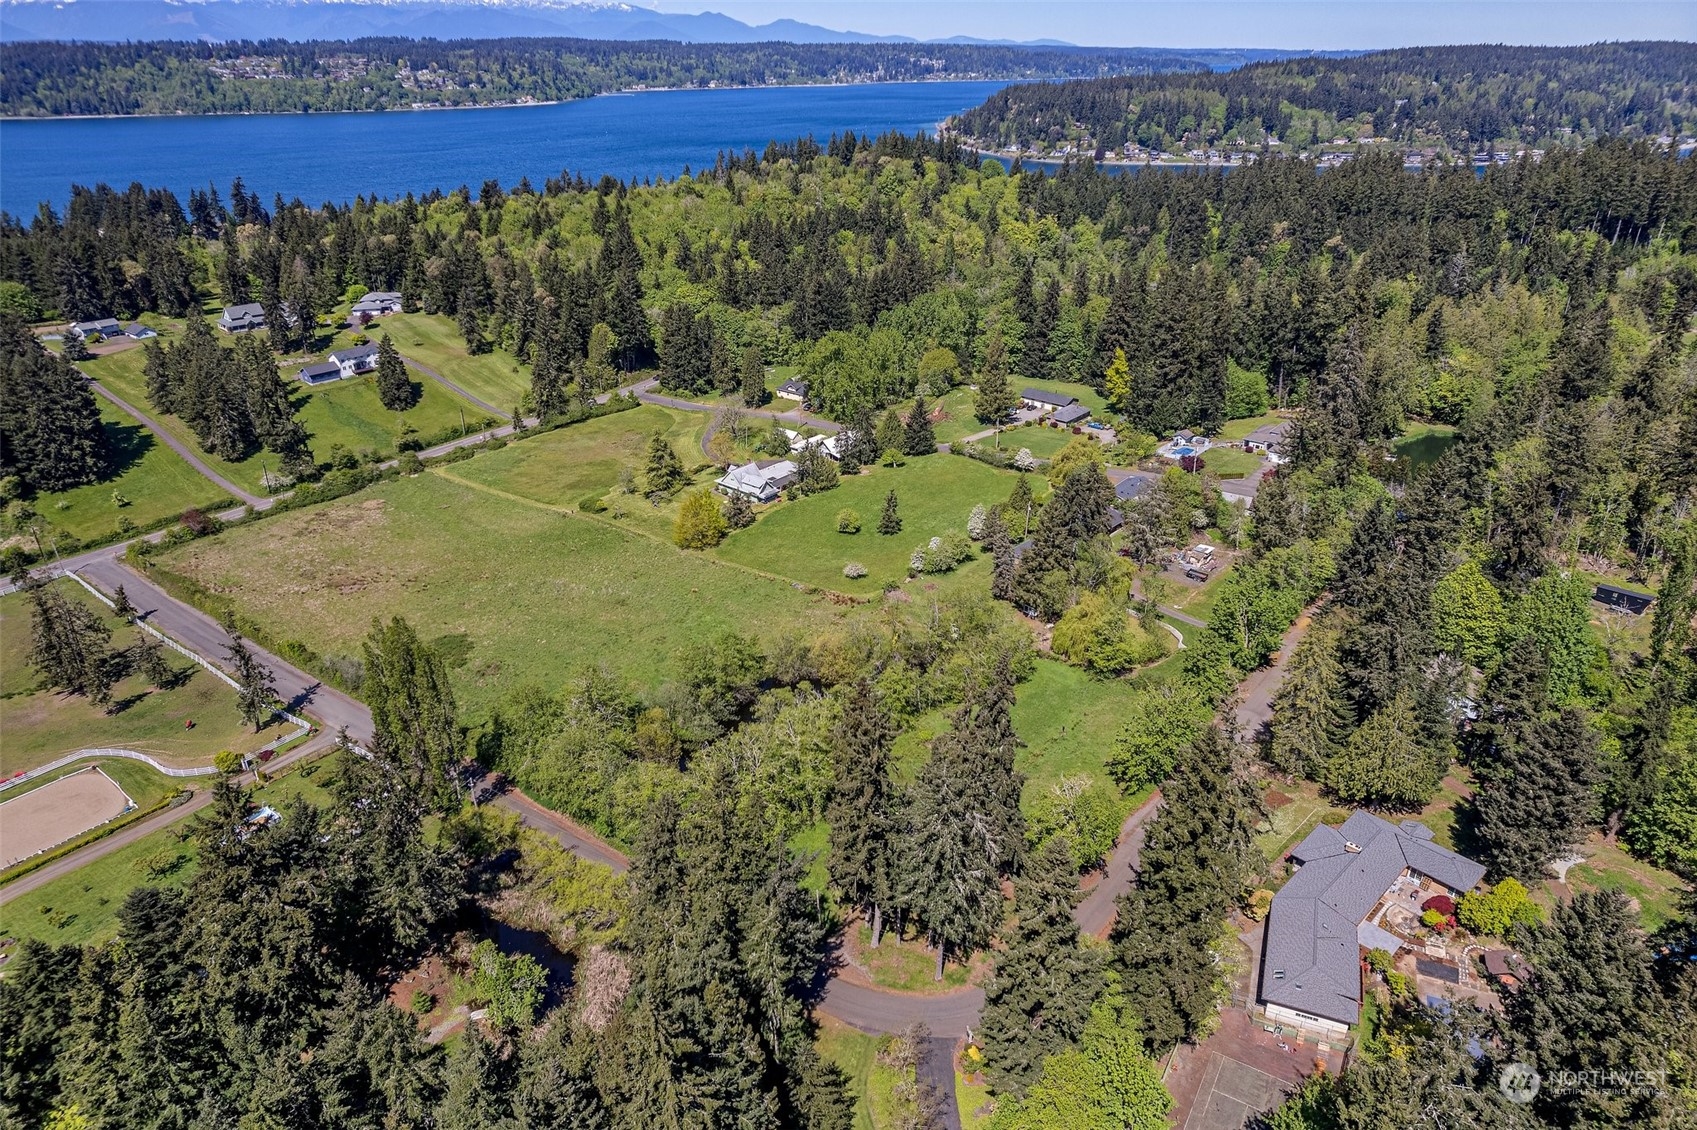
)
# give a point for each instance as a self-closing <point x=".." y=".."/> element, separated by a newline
<point x="50" y="430"/>
<point x="1386" y="761"/>
<point x="476" y="1085"/>
<point x="665" y="472"/>
<point x="994" y="400"/>
<point x="1310" y="717"/>
<point x="890" y="521"/>
<point x="965" y="829"/>
<point x="556" y="1080"/>
<point x="739" y="512"/>
<point x="1196" y="862"/>
<point x="148" y="657"/>
<point x="121" y="606"/>
<point x="1593" y="999"/>
<point x="69" y="644"/>
<point x="256" y="693"/>
<point x="1038" y="1001"/>
<point x="393" y="388"/>
<point x="1019" y="506"/>
<point x="918" y="438"/>
<point x="413" y="712"/>
<point x="861" y="812"/>
<point x="751" y="377"/>
<point x="1002" y="563"/>
<point x="548" y="397"/>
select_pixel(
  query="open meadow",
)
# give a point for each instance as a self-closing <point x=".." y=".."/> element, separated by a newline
<point x="565" y="466"/>
<point x="537" y="593"/>
<point x="40" y="725"/>
<point x="935" y="493"/>
<point x="495" y="377"/>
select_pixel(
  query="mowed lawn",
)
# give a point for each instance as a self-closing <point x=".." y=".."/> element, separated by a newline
<point x="40" y="725"/>
<point x="934" y="493"/>
<point x="155" y="481"/>
<point x="434" y="340"/>
<point x="563" y="467"/>
<point x="346" y="413"/>
<point x="538" y="593"/>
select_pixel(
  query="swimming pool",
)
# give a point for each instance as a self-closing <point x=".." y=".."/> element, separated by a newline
<point x="1181" y="452"/>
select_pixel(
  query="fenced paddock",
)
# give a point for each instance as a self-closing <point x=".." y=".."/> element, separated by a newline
<point x="46" y="817"/>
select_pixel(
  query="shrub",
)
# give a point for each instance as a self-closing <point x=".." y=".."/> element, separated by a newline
<point x="423" y="1002"/>
<point x="848" y="521"/>
<point x="701" y="523"/>
<point x="941" y="554"/>
<point x="227" y="761"/>
<point x="1497" y="911"/>
<point x="854" y="570"/>
<point x="592" y="505"/>
<point x="1260" y="902"/>
<point x="410" y="463"/>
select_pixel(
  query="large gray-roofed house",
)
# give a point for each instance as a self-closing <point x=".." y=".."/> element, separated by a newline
<point x="1310" y="964"/>
<point x="1041" y="398"/>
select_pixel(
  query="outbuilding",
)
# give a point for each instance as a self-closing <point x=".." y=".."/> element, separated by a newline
<point x="1627" y="600"/>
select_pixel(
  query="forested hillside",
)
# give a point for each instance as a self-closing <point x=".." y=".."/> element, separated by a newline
<point x="1542" y="310"/>
<point x="277" y="76"/>
<point x="1460" y="98"/>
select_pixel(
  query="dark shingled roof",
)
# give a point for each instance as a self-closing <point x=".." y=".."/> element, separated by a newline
<point x="1058" y="399"/>
<point x="1311" y="957"/>
<point x="1071" y="414"/>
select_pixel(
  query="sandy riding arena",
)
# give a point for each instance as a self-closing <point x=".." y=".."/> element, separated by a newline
<point x="46" y="817"/>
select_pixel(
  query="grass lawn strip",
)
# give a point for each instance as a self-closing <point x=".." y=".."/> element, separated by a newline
<point x="156" y="482"/>
<point x="539" y="593"/>
<point x="42" y="725"/>
<point x="434" y="340"/>
<point x="856" y="1053"/>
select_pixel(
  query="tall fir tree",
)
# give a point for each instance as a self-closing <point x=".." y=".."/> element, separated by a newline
<point x="256" y="693"/>
<point x="918" y="437"/>
<point x="1039" y="998"/>
<point x="413" y="710"/>
<point x="1310" y="716"/>
<point x="890" y="520"/>
<point x="665" y="471"/>
<point x="1197" y="860"/>
<point x="393" y="388"/>
<point x="862" y="809"/>
<point x="69" y="644"/>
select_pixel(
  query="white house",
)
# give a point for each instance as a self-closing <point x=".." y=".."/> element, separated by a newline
<point x="762" y="481"/>
<point x="321" y="373"/>
<point x="359" y="359"/>
<point x="102" y="327"/>
<point x="793" y="389"/>
<point x="375" y="304"/>
<point x="1269" y="440"/>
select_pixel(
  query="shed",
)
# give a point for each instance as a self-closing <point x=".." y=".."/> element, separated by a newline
<point x="321" y="372"/>
<point x="1627" y="600"/>
<point x="1071" y="414"/>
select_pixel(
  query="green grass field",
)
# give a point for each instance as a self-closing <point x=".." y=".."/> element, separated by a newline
<point x="800" y="539"/>
<point x="1234" y="430"/>
<point x="1231" y="462"/>
<point x="81" y="908"/>
<point x="539" y="593"/>
<point x="563" y="467"/>
<point x="1422" y="443"/>
<point x="347" y="413"/>
<point x="42" y="725"/>
<point x="1043" y="442"/>
<point x="156" y="481"/>
<point x="856" y="1054"/>
<point x="434" y="340"/>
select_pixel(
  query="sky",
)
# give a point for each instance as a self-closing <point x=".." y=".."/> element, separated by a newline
<point x="1311" y="24"/>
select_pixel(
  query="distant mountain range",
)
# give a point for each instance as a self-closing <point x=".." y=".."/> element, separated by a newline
<point x="116" y="21"/>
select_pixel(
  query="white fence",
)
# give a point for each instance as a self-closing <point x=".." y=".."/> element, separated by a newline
<point x="303" y="727"/>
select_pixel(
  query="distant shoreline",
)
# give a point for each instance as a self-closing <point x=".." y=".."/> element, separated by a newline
<point x="10" y="118"/>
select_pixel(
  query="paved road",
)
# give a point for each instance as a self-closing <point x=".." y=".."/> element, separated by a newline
<point x="1255" y="701"/>
<point x="199" y="632"/>
<point x="177" y="445"/>
<point x="937" y="1072"/>
<point x="1095" y="914"/>
<point x="126" y="836"/>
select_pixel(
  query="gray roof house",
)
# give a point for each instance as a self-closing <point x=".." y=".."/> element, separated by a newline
<point x="793" y="389"/>
<point x="105" y="327"/>
<point x="1133" y="486"/>
<point x="1040" y="398"/>
<point x="139" y="331"/>
<point x="1269" y="438"/>
<point x="237" y="319"/>
<point x="763" y="480"/>
<point x="1071" y="414"/>
<point x="1311" y="957"/>
<point x="321" y="372"/>
<point x="376" y="303"/>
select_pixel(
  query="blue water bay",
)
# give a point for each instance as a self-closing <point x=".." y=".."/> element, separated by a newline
<point x="334" y="157"/>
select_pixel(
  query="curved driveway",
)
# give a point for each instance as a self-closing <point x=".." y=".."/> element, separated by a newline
<point x="177" y="445"/>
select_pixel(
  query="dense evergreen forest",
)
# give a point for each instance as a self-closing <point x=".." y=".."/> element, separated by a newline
<point x="1542" y="309"/>
<point x="1463" y="99"/>
<point x="277" y="76"/>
